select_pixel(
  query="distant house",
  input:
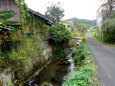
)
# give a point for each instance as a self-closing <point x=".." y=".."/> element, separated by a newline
<point x="104" y="7"/>
<point x="10" y="5"/>
<point x="68" y="26"/>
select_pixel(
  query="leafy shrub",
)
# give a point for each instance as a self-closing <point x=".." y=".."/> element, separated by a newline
<point x="80" y="54"/>
<point x="109" y="38"/>
<point x="86" y="74"/>
<point x="109" y="30"/>
<point x="60" y="34"/>
<point x="59" y="38"/>
<point x="109" y="26"/>
<point x="81" y="77"/>
<point x="59" y="53"/>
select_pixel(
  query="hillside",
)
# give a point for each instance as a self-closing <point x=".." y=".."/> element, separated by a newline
<point x="84" y="21"/>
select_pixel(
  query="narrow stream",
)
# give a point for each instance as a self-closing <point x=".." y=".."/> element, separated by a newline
<point x="56" y="73"/>
<point x="72" y="68"/>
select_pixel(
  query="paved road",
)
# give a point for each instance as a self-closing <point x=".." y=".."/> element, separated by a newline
<point x="105" y="60"/>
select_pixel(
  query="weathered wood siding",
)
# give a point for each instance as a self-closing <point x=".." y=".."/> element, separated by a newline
<point x="11" y="5"/>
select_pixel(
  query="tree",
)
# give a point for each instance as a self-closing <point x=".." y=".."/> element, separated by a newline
<point x="54" y="13"/>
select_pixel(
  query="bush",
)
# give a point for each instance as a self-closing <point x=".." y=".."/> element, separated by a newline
<point x="59" y="40"/>
<point x="59" y="53"/>
<point x="81" y="77"/>
<point x="109" y="26"/>
<point x="109" y="38"/>
<point x="86" y="74"/>
<point x="109" y="30"/>
<point x="60" y="34"/>
<point x="80" y="54"/>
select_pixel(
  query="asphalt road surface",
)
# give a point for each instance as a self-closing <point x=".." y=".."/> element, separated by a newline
<point x="105" y="60"/>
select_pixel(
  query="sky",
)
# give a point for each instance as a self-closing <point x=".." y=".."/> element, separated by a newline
<point x="82" y="9"/>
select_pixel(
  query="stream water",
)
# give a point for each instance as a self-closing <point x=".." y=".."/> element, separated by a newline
<point x="57" y="72"/>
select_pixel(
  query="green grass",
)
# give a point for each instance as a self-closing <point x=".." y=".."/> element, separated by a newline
<point x="86" y="74"/>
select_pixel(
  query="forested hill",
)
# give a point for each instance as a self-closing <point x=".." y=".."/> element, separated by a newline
<point x="84" y="21"/>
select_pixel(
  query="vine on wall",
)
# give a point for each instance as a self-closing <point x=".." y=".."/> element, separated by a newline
<point x="24" y="48"/>
<point x="5" y="15"/>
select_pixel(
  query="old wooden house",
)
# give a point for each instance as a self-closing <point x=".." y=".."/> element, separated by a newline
<point x="10" y="12"/>
<point x="7" y="6"/>
<point x="41" y="17"/>
<point x="9" y="16"/>
<point x="38" y="61"/>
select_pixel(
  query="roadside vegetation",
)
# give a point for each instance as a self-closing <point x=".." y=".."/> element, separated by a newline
<point x="103" y="37"/>
<point x="96" y="33"/>
<point x="109" y="30"/>
<point x="86" y="74"/>
<point x="106" y="34"/>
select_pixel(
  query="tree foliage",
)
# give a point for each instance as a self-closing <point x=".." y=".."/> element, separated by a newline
<point x="54" y="12"/>
<point x="60" y="34"/>
<point x="109" y="25"/>
<point x="109" y="30"/>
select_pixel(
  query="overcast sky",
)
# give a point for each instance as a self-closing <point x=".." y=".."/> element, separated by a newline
<point x="83" y="9"/>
